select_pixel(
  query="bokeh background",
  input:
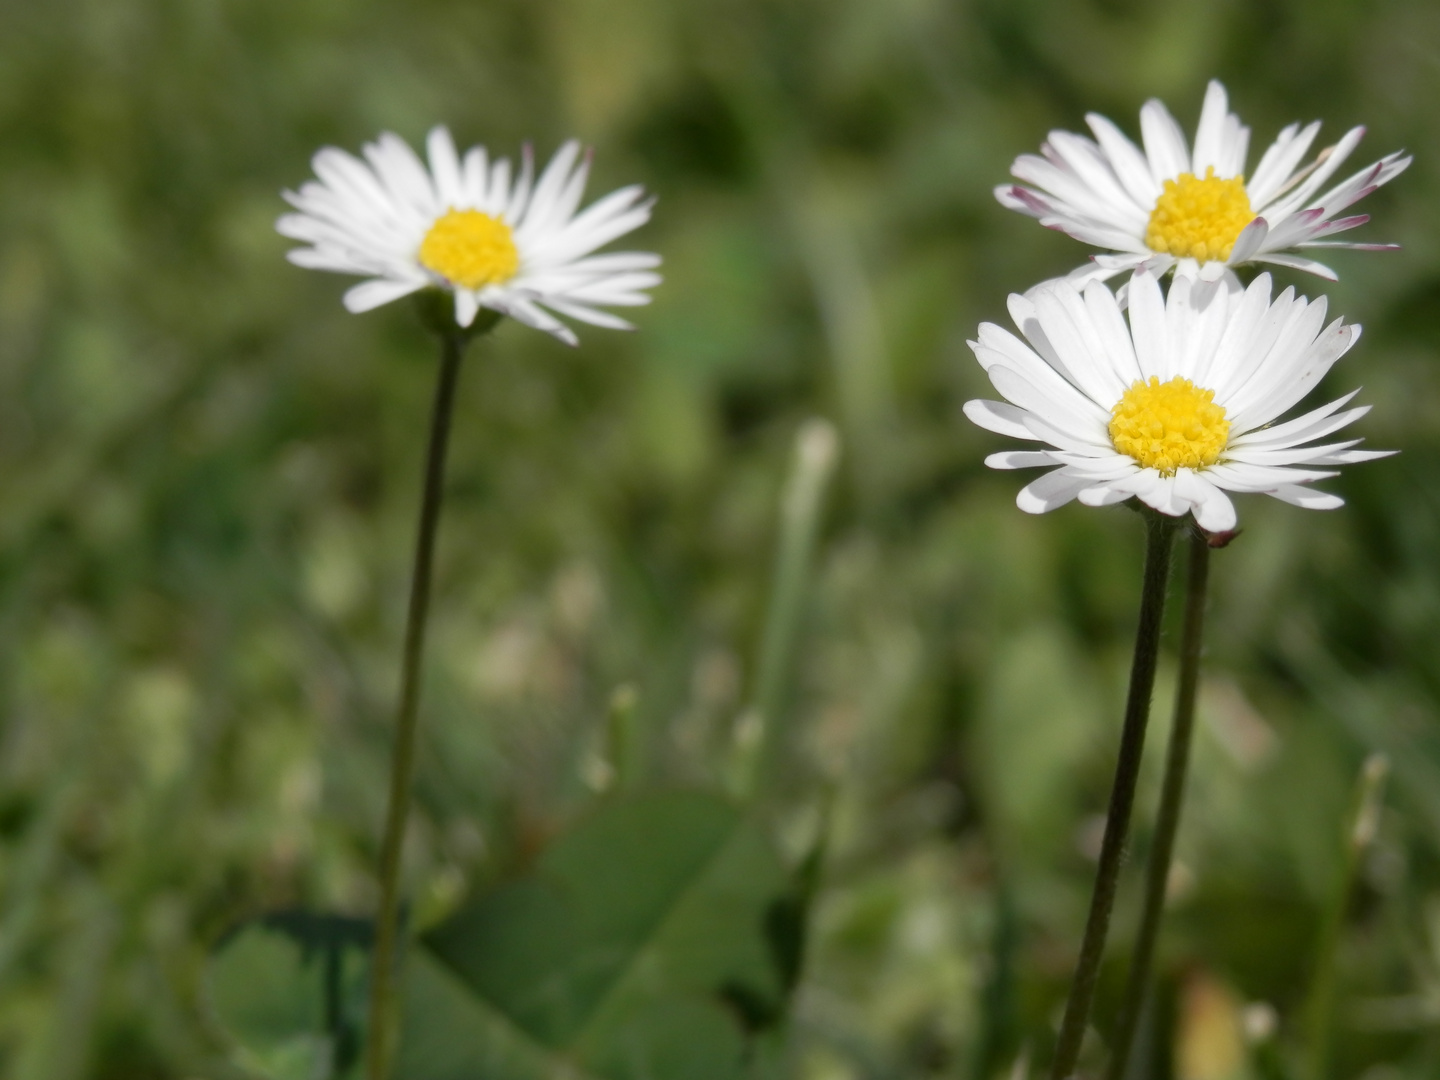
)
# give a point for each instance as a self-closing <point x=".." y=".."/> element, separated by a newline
<point x="208" y="477"/>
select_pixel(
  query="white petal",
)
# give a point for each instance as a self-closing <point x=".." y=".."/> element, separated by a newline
<point x="1091" y="446"/>
<point x="1251" y="336"/>
<point x="586" y="314"/>
<point x="1147" y="326"/>
<point x="467" y="306"/>
<point x="1237" y="476"/>
<point x="999" y="346"/>
<point x="1093" y="170"/>
<point x="402" y="173"/>
<point x="1313" y="425"/>
<point x="1277" y="164"/>
<point x="445" y="168"/>
<point x="1290" y="455"/>
<point x="1023" y="201"/>
<point x="335" y="262"/>
<point x="1288" y="384"/>
<point x="1022" y="313"/>
<point x="1126" y="159"/>
<point x="550" y="186"/>
<point x="1306" y="497"/>
<point x="1065" y="409"/>
<point x="503" y="200"/>
<point x="1296" y="262"/>
<point x="1050" y="491"/>
<point x="527" y="312"/>
<point x="1353" y="457"/>
<point x="1066" y="321"/>
<point x="998" y="416"/>
<point x="1234" y="148"/>
<point x="1195" y="317"/>
<point x="1019" y="459"/>
<point x="1098" y="234"/>
<point x="1283" y="363"/>
<point x="1329" y="160"/>
<point x="1210" y="132"/>
<point x="1158" y="492"/>
<point x="1110" y="207"/>
<point x="1098" y="465"/>
<point x="372" y="294"/>
<point x="1102" y="268"/>
<point x="1114" y="335"/>
<point x="1363" y="183"/>
<point x="1164" y="142"/>
<point x="1105" y="494"/>
<point x="1250" y="240"/>
<point x="475" y="178"/>
<point x="1213" y="510"/>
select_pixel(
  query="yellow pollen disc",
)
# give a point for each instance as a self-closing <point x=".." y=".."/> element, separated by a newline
<point x="1199" y="218"/>
<point x="470" y="249"/>
<point x="1169" y="426"/>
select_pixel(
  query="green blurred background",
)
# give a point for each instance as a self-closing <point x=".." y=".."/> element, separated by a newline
<point x="208" y="477"/>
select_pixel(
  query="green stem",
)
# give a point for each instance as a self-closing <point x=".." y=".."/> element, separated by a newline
<point x="816" y="448"/>
<point x="1360" y="833"/>
<point x="1172" y="797"/>
<point x="1158" y="534"/>
<point x="381" y="1029"/>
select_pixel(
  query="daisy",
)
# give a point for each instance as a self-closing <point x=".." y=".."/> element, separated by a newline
<point x="1173" y="206"/>
<point x="1175" y="409"/>
<point x="512" y="244"/>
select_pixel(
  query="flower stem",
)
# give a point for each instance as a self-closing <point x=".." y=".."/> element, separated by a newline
<point x="1172" y="797"/>
<point x="381" y="1028"/>
<point x="1159" y="531"/>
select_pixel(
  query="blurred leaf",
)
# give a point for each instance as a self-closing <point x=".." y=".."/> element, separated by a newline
<point x="617" y="955"/>
<point x="289" y="990"/>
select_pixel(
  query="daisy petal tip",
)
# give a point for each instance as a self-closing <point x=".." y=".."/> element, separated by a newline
<point x="1028" y="503"/>
<point x="1216" y="514"/>
<point x="1093" y="496"/>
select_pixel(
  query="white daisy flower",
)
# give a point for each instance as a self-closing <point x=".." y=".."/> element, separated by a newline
<point x="1173" y="206"/>
<point x="1175" y="409"/>
<point x="512" y="244"/>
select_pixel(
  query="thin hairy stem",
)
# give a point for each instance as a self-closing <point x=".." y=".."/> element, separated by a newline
<point x="381" y="1029"/>
<point x="1158" y="534"/>
<point x="1172" y="797"/>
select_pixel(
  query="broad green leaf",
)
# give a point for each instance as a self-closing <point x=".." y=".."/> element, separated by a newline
<point x="288" y="990"/>
<point x="631" y="950"/>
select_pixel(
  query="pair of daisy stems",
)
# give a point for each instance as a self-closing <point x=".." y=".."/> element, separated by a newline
<point x="1168" y="206"/>
<point x="1159" y="531"/>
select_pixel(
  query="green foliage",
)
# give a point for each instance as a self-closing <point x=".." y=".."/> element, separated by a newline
<point x="208" y="475"/>
<point x="289" y="991"/>
<point x="656" y="901"/>
<point x="656" y="938"/>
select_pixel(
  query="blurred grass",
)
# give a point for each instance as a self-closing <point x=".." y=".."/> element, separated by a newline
<point x="208" y="474"/>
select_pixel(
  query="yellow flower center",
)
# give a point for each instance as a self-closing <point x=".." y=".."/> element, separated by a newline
<point x="470" y="249"/>
<point x="1199" y="218"/>
<point x="1169" y="426"/>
